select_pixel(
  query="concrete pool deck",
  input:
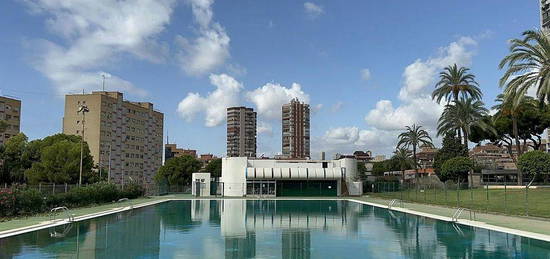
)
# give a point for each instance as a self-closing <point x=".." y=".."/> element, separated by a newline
<point x="528" y="227"/>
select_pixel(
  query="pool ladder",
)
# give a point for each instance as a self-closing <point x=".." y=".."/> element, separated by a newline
<point x="54" y="211"/>
<point x="459" y="211"/>
<point x="393" y="202"/>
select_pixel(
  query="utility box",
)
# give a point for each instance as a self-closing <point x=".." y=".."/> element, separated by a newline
<point x="201" y="184"/>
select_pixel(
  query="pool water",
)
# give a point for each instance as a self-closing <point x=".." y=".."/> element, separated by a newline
<point x="236" y="228"/>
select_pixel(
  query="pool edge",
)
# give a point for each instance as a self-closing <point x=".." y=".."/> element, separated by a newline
<point x="472" y="223"/>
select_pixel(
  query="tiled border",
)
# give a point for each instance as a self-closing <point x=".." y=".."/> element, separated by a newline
<point x="478" y="224"/>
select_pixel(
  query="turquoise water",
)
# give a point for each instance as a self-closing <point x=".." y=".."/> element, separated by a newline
<point x="268" y="229"/>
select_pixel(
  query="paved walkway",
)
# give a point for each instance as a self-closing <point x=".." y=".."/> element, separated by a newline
<point x="540" y="226"/>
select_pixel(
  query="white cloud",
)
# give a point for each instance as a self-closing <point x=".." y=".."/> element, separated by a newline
<point x="422" y="111"/>
<point x="312" y="10"/>
<point x="265" y="128"/>
<point x="415" y="106"/>
<point x="93" y="35"/>
<point x="346" y="140"/>
<point x="215" y="103"/>
<point x="419" y="77"/>
<point x="211" y="47"/>
<point x="365" y="74"/>
<point x="270" y="98"/>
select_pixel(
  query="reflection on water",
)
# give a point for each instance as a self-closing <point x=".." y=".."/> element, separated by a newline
<point x="268" y="229"/>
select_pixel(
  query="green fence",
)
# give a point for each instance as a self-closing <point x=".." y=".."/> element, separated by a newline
<point x="505" y="199"/>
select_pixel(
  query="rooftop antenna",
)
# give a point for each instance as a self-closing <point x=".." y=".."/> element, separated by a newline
<point x="167" y="136"/>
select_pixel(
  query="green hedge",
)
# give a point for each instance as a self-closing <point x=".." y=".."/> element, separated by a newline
<point x="22" y="201"/>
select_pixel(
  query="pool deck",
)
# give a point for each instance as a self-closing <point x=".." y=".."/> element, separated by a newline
<point x="523" y="226"/>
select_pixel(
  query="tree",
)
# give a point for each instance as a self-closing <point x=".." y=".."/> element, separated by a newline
<point x="535" y="163"/>
<point x="13" y="161"/>
<point x="178" y="170"/>
<point x="214" y="167"/>
<point x="457" y="168"/>
<point x="414" y="136"/>
<point x="506" y="107"/>
<point x="454" y="82"/>
<point x="60" y="162"/>
<point x="463" y="115"/>
<point x="452" y="147"/>
<point x="403" y="159"/>
<point x="527" y="66"/>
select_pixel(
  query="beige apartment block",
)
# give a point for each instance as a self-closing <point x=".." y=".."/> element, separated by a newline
<point x="296" y="130"/>
<point x="10" y="112"/>
<point x="241" y="132"/>
<point x="124" y="136"/>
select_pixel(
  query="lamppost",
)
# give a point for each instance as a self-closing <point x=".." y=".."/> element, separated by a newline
<point x="83" y="109"/>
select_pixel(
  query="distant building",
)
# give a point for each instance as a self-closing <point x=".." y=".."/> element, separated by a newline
<point x="545" y="14"/>
<point x="171" y="150"/>
<point x="426" y="156"/>
<point x="206" y="158"/>
<point x="241" y="132"/>
<point x="363" y="156"/>
<point x="122" y="135"/>
<point x="296" y="130"/>
<point x="10" y="112"/>
<point x="490" y="156"/>
<point x="379" y="158"/>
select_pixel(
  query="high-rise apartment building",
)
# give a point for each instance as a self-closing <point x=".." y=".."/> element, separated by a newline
<point x="241" y="132"/>
<point x="295" y="127"/>
<point x="122" y="135"/>
<point x="10" y="112"/>
<point x="545" y="14"/>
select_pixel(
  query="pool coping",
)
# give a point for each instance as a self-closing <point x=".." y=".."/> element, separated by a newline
<point x="472" y="223"/>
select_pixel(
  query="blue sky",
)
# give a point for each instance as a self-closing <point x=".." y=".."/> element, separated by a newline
<point x="365" y="67"/>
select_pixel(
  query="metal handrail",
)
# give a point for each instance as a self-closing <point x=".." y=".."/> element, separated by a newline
<point x="54" y="211"/>
<point x="459" y="212"/>
<point x="456" y="215"/>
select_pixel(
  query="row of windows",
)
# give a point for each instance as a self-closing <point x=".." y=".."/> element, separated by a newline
<point x="132" y="155"/>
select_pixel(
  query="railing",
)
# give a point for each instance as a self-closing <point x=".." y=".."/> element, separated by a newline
<point x="54" y="212"/>
<point x="456" y="215"/>
<point x="393" y="202"/>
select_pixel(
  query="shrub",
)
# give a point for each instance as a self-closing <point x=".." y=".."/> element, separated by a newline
<point x="28" y="201"/>
<point x="132" y="191"/>
<point x="7" y="203"/>
<point x="104" y="192"/>
<point x="24" y="201"/>
<point x="534" y="163"/>
<point x="456" y="168"/>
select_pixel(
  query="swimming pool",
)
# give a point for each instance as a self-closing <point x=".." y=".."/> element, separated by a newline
<point x="235" y="228"/>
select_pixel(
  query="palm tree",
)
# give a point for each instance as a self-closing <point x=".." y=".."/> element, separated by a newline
<point x="527" y="65"/>
<point x="463" y="115"/>
<point x="403" y="158"/>
<point x="414" y="136"/>
<point x="454" y="82"/>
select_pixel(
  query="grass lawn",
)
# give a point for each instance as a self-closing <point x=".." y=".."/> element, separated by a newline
<point x="510" y="202"/>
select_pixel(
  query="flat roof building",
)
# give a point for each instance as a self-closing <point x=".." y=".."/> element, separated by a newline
<point x="122" y="135"/>
<point x="171" y="150"/>
<point x="10" y="112"/>
<point x="296" y="130"/>
<point x="241" y="132"/>
<point x="242" y="176"/>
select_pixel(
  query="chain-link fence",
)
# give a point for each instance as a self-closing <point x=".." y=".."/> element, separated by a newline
<point x="150" y="189"/>
<point x="504" y="199"/>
